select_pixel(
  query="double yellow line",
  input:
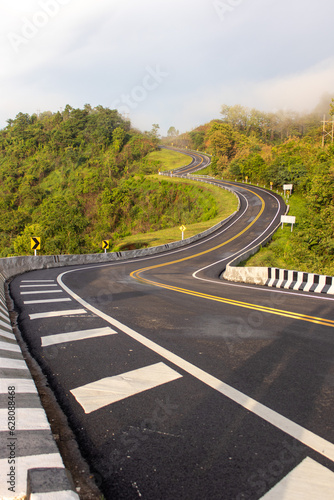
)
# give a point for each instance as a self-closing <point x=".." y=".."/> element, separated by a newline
<point x="279" y="312"/>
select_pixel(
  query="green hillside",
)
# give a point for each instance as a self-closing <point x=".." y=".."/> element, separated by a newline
<point x="81" y="176"/>
<point x="279" y="148"/>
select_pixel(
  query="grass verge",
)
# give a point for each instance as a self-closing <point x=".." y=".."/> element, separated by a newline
<point x="168" y="160"/>
<point x="285" y="249"/>
<point x="227" y="204"/>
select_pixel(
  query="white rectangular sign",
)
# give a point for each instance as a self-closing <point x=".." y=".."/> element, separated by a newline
<point x="287" y="187"/>
<point x="290" y="219"/>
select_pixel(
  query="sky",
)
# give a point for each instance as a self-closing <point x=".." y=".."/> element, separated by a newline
<point x="172" y="63"/>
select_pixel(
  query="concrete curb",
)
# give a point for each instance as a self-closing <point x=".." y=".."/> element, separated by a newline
<point x="297" y="280"/>
<point x="24" y="427"/>
<point x="50" y="484"/>
<point x="12" y="266"/>
<point x="276" y="277"/>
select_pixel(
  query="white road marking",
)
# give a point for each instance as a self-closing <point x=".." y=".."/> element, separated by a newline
<point x="46" y="301"/>
<point x="22" y="385"/>
<point x="16" y="364"/>
<point x="74" y="336"/>
<point x="35" y="286"/>
<point x="31" y="292"/>
<point x="54" y="314"/>
<point x="22" y="464"/>
<point x="6" y="346"/>
<point x="308" y="481"/>
<point x="26" y="419"/>
<point x="37" y="281"/>
<point x="298" y="432"/>
<point x="111" y="389"/>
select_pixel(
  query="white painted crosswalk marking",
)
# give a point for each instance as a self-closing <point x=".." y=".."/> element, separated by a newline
<point x="46" y="301"/>
<point x="111" y="389"/>
<point x="55" y="314"/>
<point x="308" y="481"/>
<point x="35" y="292"/>
<point x="37" y="281"/>
<point x="74" y="336"/>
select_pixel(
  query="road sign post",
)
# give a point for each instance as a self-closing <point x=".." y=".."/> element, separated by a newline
<point x="287" y="188"/>
<point x="105" y="245"/>
<point x="182" y="229"/>
<point x="289" y="219"/>
<point x="35" y="243"/>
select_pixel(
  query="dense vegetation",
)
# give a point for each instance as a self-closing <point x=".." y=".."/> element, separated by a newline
<point x="281" y="148"/>
<point x="77" y="177"/>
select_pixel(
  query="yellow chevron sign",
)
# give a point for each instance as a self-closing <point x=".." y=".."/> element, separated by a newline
<point x="35" y="243"/>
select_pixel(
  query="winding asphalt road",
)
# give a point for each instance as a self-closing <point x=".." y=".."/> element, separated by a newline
<point x="178" y="384"/>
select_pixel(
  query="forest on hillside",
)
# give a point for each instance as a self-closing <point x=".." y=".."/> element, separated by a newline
<point x="279" y="148"/>
<point x="80" y="176"/>
<point x="77" y="177"/>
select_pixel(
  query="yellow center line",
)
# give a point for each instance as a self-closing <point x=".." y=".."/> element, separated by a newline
<point x="137" y="274"/>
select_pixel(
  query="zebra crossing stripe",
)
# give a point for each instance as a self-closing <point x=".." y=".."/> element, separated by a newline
<point x="37" y="281"/>
<point x="46" y="301"/>
<point x="35" y="292"/>
<point x="111" y="389"/>
<point x="55" y="314"/>
<point x="74" y="336"/>
<point x="309" y="480"/>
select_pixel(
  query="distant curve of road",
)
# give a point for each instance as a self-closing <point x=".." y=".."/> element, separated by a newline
<point x="178" y="384"/>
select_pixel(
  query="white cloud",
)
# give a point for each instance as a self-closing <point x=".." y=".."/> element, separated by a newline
<point x="300" y="92"/>
<point x="264" y="54"/>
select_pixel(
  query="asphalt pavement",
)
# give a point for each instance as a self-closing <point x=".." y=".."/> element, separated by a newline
<point x="179" y="385"/>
